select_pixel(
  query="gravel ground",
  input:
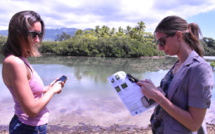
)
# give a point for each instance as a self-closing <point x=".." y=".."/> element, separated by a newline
<point x="88" y="129"/>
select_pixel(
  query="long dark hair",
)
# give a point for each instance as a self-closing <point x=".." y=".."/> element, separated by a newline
<point x="191" y="32"/>
<point x="19" y="42"/>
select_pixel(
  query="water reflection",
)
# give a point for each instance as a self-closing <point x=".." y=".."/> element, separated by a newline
<point x="100" y="68"/>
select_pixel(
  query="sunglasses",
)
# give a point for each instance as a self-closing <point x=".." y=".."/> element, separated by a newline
<point x="34" y="34"/>
<point x="162" y="41"/>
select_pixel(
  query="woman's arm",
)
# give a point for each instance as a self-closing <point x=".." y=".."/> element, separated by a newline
<point x="15" y="75"/>
<point x="192" y="119"/>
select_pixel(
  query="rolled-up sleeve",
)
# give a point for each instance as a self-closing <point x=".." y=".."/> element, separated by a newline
<point x="200" y="86"/>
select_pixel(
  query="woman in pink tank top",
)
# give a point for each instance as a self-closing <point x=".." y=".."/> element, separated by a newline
<point x="25" y="32"/>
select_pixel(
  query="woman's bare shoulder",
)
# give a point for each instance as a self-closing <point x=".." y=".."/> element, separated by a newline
<point x="12" y="60"/>
<point x="13" y="68"/>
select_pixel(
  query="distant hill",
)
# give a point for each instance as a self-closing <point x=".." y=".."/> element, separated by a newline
<point x="50" y="34"/>
<point x="4" y="32"/>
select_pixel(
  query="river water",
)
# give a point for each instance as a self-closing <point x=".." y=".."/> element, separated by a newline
<point x="87" y="97"/>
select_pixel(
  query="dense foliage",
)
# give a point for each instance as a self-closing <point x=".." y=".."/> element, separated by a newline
<point x="212" y="64"/>
<point x="105" y="42"/>
<point x="110" y="42"/>
<point x="102" y="47"/>
<point x="2" y="42"/>
<point x="209" y="46"/>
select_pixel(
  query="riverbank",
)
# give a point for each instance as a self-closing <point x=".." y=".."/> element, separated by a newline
<point x="113" y="129"/>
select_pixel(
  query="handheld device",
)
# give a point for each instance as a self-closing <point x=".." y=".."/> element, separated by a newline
<point x="132" y="78"/>
<point x="62" y="78"/>
<point x="147" y="102"/>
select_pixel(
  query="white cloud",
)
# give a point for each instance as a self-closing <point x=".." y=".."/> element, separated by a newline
<point x="113" y="13"/>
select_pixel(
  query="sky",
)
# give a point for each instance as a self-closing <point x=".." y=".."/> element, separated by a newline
<point x="84" y="14"/>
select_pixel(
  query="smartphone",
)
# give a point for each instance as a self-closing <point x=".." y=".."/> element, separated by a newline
<point x="132" y="78"/>
<point x="63" y="78"/>
<point x="147" y="102"/>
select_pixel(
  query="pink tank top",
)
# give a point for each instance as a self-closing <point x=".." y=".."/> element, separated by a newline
<point x="37" y="88"/>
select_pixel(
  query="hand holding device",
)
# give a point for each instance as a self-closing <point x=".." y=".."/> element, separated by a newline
<point x="146" y="102"/>
<point x="63" y="78"/>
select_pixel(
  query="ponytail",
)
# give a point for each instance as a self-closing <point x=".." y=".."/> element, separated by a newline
<point x="192" y="38"/>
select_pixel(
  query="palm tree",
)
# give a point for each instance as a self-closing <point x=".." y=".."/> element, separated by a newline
<point x="140" y="29"/>
<point x="97" y="30"/>
<point x="105" y="31"/>
<point x="112" y="32"/>
<point x="120" y="31"/>
<point x="128" y="30"/>
<point x="78" y="32"/>
<point x="141" y="26"/>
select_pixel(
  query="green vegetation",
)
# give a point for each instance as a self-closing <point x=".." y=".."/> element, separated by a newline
<point x="212" y="64"/>
<point x="2" y="42"/>
<point x="105" y="42"/>
<point x="110" y="42"/>
<point x="209" y="46"/>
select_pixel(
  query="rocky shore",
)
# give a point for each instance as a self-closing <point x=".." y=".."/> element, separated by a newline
<point x="88" y="129"/>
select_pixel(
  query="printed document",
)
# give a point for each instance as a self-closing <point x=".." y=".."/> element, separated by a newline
<point x="129" y="92"/>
